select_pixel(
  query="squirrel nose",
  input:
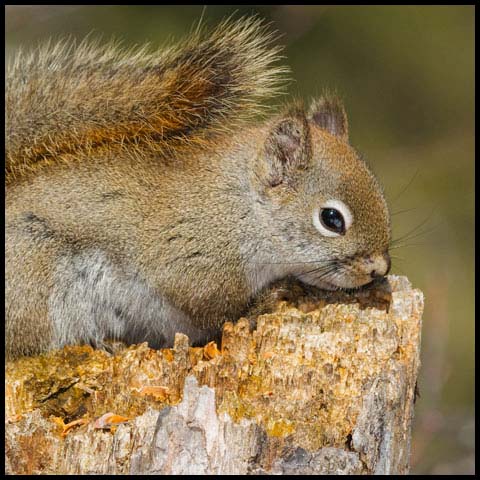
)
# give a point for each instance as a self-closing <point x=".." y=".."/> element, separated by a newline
<point x="382" y="266"/>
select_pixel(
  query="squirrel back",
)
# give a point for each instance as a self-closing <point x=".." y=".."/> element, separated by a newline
<point x="64" y="99"/>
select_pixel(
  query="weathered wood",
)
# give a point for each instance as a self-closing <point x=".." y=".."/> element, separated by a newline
<point x="323" y="385"/>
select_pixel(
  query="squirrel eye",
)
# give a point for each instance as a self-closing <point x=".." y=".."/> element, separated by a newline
<point x="333" y="220"/>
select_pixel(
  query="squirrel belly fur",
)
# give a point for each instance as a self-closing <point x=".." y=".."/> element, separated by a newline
<point x="144" y="197"/>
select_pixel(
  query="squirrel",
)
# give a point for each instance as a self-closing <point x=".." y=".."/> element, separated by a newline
<point x="145" y="196"/>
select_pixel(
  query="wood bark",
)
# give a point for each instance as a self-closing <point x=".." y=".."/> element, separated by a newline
<point x="323" y="385"/>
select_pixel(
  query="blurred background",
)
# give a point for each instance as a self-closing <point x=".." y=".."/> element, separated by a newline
<point x="406" y="74"/>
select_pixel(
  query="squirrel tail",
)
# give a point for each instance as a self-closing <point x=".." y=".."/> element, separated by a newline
<point x="65" y="99"/>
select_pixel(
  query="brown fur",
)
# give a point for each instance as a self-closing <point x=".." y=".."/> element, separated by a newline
<point x="68" y="99"/>
<point x="139" y="203"/>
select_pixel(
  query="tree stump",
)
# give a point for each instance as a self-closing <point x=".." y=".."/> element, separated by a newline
<point x="323" y="385"/>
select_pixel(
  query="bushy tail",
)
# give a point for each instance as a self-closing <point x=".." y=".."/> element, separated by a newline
<point x="66" y="99"/>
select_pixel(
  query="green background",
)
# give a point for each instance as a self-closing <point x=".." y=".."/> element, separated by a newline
<point x="406" y="74"/>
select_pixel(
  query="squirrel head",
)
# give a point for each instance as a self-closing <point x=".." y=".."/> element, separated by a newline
<point x="320" y="205"/>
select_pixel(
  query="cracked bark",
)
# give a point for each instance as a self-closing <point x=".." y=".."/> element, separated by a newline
<point x="324" y="385"/>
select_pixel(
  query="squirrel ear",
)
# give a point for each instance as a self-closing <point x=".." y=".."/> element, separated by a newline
<point x="287" y="148"/>
<point x="329" y="114"/>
